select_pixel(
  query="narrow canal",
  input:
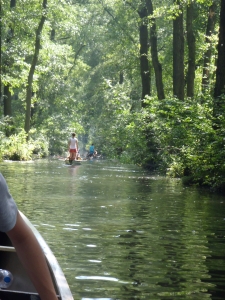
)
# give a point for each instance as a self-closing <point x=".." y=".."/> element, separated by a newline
<point x="120" y="232"/>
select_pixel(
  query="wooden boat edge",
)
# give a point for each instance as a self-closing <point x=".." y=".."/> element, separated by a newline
<point x="75" y="162"/>
<point x="54" y="267"/>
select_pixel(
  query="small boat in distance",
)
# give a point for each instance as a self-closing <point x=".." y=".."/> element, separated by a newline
<point x="22" y="287"/>
<point x="75" y="162"/>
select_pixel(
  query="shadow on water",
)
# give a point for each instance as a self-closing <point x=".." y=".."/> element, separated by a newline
<point x="122" y="233"/>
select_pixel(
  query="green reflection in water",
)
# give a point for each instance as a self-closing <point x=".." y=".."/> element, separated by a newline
<point x="119" y="232"/>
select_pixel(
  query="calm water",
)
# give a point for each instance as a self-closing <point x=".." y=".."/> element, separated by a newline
<point x="119" y="232"/>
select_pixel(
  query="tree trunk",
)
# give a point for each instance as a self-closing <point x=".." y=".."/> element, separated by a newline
<point x="220" y="71"/>
<point x="154" y="53"/>
<point x="6" y="90"/>
<point x="191" y="51"/>
<point x="32" y="68"/>
<point x="7" y="100"/>
<point x="145" y="72"/>
<point x="207" y="55"/>
<point x="52" y="35"/>
<point x="121" y="78"/>
<point x="178" y="54"/>
<point x="0" y="50"/>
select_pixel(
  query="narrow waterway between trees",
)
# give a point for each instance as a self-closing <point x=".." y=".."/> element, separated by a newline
<point x="120" y="232"/>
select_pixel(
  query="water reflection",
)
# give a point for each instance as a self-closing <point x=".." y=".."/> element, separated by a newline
<point x="122" y="233"/>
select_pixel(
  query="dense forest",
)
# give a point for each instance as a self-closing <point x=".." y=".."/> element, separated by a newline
<point x="143" y="80"/>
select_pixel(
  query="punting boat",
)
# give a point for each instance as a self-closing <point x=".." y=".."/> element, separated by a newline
<point x="75" y="162"/>
<point x="22" y="287"/>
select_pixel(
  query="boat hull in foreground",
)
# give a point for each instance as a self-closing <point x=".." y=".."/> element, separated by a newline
<point x="22" y="287"/>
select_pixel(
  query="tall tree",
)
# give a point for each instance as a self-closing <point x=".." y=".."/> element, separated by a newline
<point x="178" y="51"/>
<point x="144" y="47"/>
<point x="191" y="50"/>
<point x="220" y="71"/>
<point x="0" y="50"/>
<point x="154" y="52"/>
<point x="208" y="53"/>
<point x="7" y="97"/>
<point x="29" y="90"/>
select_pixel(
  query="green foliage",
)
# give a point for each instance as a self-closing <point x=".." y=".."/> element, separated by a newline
<point x="188" y="144"/>
<point x="40" y="144"/>
<point x="177" y="137"/>
<point x="16" y="146"/>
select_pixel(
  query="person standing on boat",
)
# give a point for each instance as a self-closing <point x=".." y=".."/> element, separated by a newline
<point x="25" y="243"/>
<point x="91" y="150"/>
<point x="73" y="147"/>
